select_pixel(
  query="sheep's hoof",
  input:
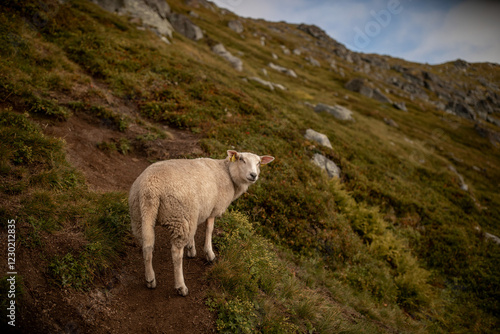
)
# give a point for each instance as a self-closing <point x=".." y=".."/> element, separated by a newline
<point x="151" y="284"/>
<point x="211" y="257"/>
<point x="191" y="252"/>
<point x="183" y="291"/>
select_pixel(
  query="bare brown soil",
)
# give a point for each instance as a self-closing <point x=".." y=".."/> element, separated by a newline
<point x="121" y="302"/>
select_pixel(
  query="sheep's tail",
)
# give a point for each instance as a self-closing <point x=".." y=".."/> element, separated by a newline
<point x="143" y="214"/>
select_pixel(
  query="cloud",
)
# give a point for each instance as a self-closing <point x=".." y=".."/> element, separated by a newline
<point x="470" y="30"/>
<point x="423" y="31"/>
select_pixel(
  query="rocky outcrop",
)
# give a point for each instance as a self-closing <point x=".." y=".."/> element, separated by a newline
<point x="337" y="111"/>
<point x="183" y="25"/>
<point x="152" y="13"/>
<point x="236" y="62"/>
<point x="460" y="109"/>
<point x="326" y="164"/>
<point x="318" y="137"/>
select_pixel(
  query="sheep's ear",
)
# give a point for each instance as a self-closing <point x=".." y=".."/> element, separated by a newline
<point x="266" y="159"/>
<point x="232" y="155"/>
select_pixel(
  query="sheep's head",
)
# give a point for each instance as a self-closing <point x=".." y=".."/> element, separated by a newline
<point x="245" y="167"/>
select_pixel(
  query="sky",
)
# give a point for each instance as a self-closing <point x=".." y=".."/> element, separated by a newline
<point x="423" y="31"/>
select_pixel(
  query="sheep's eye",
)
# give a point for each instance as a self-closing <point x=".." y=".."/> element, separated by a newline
<point x="242" y="160"/>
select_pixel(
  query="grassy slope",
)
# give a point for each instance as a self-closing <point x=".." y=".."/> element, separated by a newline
<point x="395" y="238"/>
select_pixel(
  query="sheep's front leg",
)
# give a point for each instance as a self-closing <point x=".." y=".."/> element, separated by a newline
<point x="177" y="253"/>
<point x="208" y="240"/>
<point x="191" y="248"/>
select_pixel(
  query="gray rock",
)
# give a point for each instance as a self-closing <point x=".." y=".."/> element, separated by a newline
<point x="359" y="85"/>
<point x="283" y="70"/>
<point x="318" y="137"/>
<point x="326" y="164"/>
<point x="297" y="52"/>
<point x="460" y="109"/>
<point x="183" y="25"/>
<point x="391" y="122"/>
<point x="268" y="84"/>
<point x="377" y="95"/>
<point x="400" y="106"/>
<point x="463" y="186"/>
<point x="285" y="50"/>
<point x="236" y="26"/>
<point x="236" y="62"/>
<point x="338" y="111"/>
<point x="313" y="61"/>
<point x="152" y="13"/>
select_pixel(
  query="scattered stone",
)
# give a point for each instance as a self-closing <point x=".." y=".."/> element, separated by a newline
<point x="463" y="186"/>
<point x="286" y="51"/>
<point x="326" y="164"/>
<point x="236" y="62"/>
<point x="262" y="41"/>
<point x="283" y="70"/>
<point x="297" y="52"/>
<point x="268" y="84"/>
<point x="318" y="137"/>
<point x="183" y="25"/>
<point x="274" y="55"/>
<point x="400" y="106"/>
<point x="236" y="26"/>
<point x="391" y="122"/>
<point x="338" y="111"/>
<point x="313" y="61"/>
<point x="379" y="96"/>
<point x="489" y="236"/>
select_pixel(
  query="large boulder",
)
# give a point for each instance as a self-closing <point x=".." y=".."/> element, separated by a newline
<point x="183" y="25"/>
<point x="359" y="85"/>
<point x="337" y="111"/>
<point x="152" y="13"/>
<point x="326" y="164"/>
<point x="318" y="137"/>
<point x="236" y="62"/>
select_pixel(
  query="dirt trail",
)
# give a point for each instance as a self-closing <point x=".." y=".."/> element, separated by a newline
<point x="123" y="304"/>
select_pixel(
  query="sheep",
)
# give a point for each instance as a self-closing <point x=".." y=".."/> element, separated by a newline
<point x="181" y="194"/>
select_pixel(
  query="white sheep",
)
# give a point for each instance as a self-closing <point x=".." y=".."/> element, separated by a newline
<point x="181" y="194"/>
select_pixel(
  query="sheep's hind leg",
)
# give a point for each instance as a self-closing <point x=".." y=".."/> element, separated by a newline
<point x="148" y="241"/>
<point x="177" y="253"/>
<point x="208" y="240"/>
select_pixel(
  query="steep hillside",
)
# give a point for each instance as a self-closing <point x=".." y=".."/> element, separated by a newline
<point x="379" y="214"/>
